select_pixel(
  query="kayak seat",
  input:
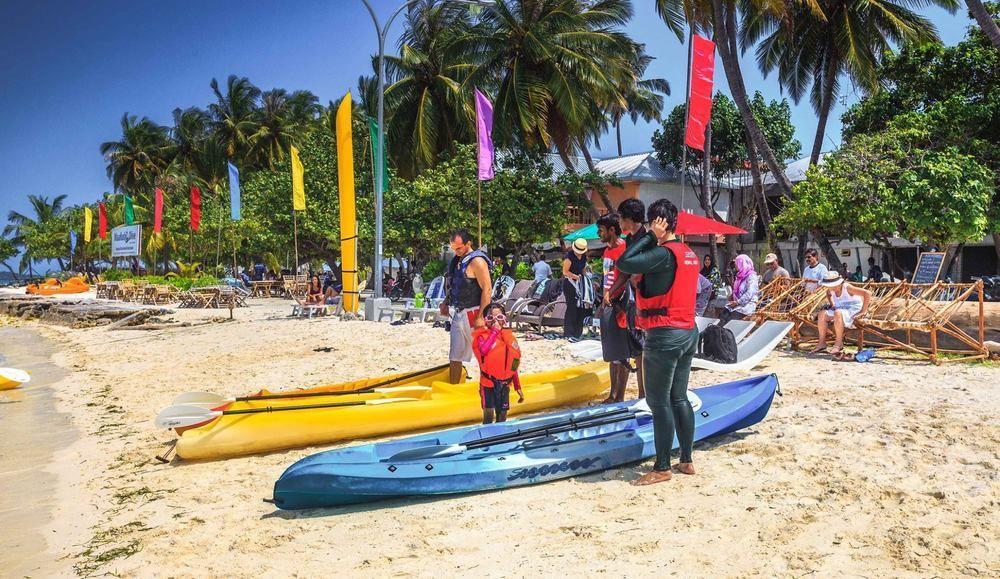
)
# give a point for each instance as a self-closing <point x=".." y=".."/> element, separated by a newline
<point x="386" y="450"/>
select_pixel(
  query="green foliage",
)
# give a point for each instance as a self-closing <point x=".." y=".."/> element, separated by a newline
<point x="523" y="271"/>
<point x="891" y="184"/>
<point x="432" y="269"/>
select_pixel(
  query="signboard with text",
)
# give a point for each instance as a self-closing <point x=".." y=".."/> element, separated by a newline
<point x="928" y="267"/>
<point x="126" y="241"/>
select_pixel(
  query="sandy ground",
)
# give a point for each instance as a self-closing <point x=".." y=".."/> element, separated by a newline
<point x="881" y="469"/>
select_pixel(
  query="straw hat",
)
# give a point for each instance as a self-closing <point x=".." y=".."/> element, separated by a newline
<point x="770" y="258"/>
<point x="580" y="246"/>
<point x="831" y="279"/>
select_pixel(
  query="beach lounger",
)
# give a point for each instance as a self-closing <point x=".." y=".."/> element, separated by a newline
<point x="538" y="315"/>
<point x="752" y="351"/>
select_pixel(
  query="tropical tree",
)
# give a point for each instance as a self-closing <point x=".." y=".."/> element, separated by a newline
<point x="141" y="155"/>
<point x="851" y="38"/>
<point x="235" y="115"/>
<point x="643" y="98"/>
<point x="35" y="234"/>
<point x="283" y="120"/>
<point x="427" y="107"/>
<point x="188" y="134"/>
<point x="985" y="15"/>
<point x="555" y="66"/>
<point x="7" y="251"/>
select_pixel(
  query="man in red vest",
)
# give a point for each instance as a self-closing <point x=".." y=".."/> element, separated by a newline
<point x="665" y="303"/>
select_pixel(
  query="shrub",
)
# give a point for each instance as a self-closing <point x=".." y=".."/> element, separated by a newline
<point x="434" y="268"/>
<point x="523" y="271"/>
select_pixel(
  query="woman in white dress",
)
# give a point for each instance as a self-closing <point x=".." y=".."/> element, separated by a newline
<point x="847" y="303"/>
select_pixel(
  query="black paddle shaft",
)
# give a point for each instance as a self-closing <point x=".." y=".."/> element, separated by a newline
<point x="299" y="407"/>
<point x="565" y="426"/>
<point x="364" y="390"/>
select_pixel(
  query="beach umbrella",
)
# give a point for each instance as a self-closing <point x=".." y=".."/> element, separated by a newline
<point x="691" y="224"/>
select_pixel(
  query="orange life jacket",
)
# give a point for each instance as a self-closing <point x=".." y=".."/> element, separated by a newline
<point x="501" y="360"/>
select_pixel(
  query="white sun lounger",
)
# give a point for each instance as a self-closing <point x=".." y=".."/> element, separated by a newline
<point x="591" y="349"/>
<point x="752" y="351"/>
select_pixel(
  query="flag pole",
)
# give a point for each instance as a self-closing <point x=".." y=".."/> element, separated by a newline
<point x="479" y="212"/>
<point x="295" y="233"/>
<point x="687" y="106"/>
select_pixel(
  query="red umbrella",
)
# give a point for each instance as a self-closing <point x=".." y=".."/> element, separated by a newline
<point x="691" y="224"/>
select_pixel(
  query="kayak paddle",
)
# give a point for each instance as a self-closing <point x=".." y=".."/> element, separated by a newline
<point x="182" y="415"/>
<point x="212" y="400"/>
<point x="205" y="397"/>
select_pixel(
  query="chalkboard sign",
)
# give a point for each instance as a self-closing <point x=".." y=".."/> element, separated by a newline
<point x="928" y="267"/>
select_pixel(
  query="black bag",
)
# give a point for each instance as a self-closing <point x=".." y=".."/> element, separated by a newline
<point x="717" y="344"/>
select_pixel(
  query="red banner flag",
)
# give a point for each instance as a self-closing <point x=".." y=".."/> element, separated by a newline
<point x="102" y="221"/>
<point x="158" y="211"/>
<point x="700" y="97"/>
<point x="195" y="208"/>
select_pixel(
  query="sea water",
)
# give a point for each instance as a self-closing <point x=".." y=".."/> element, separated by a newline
<point x="31" y="432"/>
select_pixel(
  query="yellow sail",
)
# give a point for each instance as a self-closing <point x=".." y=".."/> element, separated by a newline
<point x="348" y="223"/>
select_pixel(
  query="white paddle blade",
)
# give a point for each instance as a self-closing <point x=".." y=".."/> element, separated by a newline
<point x="204" y="399"/>
<point x="184" y="415"/>
<point x="15" y="375"/>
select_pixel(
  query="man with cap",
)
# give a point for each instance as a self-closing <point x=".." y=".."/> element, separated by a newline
<point x="573" y="269"/>
<point x="772" y="269"/>
<point x="846" y="304"/>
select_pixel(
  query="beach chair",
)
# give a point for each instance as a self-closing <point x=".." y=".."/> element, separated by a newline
<point x="503" y="287"/>
<point x="539" y="315"/>
<point x="752" y="351"/>
<point x="520" y="291"/>
<point x="435" y="292"/>
<point x="382" y="309"/>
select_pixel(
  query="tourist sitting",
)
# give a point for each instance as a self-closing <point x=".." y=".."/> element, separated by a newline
<point x="846" y="304"/>
<point x="874" y="271"/>
<point x="314" y="295"/>
<point x="746" y="284"/>
<point x="857" y="276"/>
<point x="499" y="356"/>
<point x="705" y="291"/>
<point x="331" y="287"/>
<point x="772" y="269"/>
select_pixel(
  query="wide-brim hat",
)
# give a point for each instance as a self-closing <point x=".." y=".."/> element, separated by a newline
<point x="831" y="279"/>
<point x="580" y="246"/>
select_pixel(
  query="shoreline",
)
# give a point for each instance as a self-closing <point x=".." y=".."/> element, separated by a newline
<point x="35" y="434"/>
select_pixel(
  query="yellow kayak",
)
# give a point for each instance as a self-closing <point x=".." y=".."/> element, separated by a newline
<point x="442" y="405"/>
<point x="11" y="378"/>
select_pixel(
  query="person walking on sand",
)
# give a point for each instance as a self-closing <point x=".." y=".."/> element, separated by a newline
<point x="468" y="291"/>
<point x="666" y="303"/>
<point x="772" y="269"/>
<point x="846" y="304"/>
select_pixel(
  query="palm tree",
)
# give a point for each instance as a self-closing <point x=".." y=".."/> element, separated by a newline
<point x="426" y="112"/>
<point x="986" y="21"/>
<point x="235" y="115"/>
<point x="556" y="66"/>
<point x="720" y="17"/>
<point x="139" y="157"/>
<point x="852" y="40"/>
<point x="283" y="119"/>
<point x="20" y="227"/>
<point x="643" y="97"/>
<point x="188" y="134"/>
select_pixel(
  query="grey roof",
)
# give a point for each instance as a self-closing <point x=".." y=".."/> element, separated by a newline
<point x="638" y="167"/>
<point x="795" y="171"/>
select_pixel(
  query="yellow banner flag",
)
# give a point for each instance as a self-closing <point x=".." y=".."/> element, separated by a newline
<point x="88" y="217"/>
<point x="298" y="182"/>
<point x="348" y="223"/>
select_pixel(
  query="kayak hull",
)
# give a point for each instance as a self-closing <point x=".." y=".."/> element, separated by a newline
<point x="443" y="405"/>
<point x="377" y="471"/>
<point x="11" y="378"/>
<point x="74" y="285"/>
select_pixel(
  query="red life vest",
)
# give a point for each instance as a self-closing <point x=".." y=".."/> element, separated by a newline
<point x="501" y="360"/>
<point x="674" y="309"/>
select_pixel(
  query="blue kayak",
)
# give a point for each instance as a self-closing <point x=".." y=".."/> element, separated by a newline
<point x="520" y="452"/>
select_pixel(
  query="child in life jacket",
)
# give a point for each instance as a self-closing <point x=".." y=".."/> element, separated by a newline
<point x="499" y="356"/>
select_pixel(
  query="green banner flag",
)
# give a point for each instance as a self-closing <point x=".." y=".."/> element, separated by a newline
<point x="373" y="131"/>
<point x="129" y="211"/>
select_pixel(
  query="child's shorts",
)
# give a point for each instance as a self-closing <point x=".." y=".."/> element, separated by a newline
<point x="497" y="397"/>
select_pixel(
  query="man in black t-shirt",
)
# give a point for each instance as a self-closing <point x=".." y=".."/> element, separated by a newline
<point x="632" y="214"/>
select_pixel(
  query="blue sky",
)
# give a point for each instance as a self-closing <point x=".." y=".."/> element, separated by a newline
<point x="70" y="69"/>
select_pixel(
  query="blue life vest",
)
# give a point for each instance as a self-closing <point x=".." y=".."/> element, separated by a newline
<point x="465" y="293"/>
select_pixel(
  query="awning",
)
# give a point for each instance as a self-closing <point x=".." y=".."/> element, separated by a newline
<point x="687" y="224"/>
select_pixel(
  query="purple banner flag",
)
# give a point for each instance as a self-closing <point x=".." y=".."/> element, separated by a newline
<point x="484" y="134"/>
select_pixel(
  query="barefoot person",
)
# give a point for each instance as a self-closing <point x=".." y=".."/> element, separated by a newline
<point x="615" y="337"/>
<point x="468" y="291"/>
<point x="847" y="303"/>
<point x="666" y="302"/>
<point x="499" y="356"/>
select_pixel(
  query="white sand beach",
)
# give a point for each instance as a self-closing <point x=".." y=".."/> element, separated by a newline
<point x="882" y="469"/>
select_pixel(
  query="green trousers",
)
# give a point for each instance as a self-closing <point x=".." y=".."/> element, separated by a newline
<point x="666" y="363"/>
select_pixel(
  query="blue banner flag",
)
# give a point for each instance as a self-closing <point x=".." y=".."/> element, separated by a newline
<point x="72" y="242"/>
<point x="234" y="192"/>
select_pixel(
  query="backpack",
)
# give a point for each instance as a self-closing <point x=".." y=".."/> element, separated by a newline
<point x="717" y="344"/>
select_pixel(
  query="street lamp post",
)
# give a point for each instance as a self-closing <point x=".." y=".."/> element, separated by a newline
<point x="379" y="167"/>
